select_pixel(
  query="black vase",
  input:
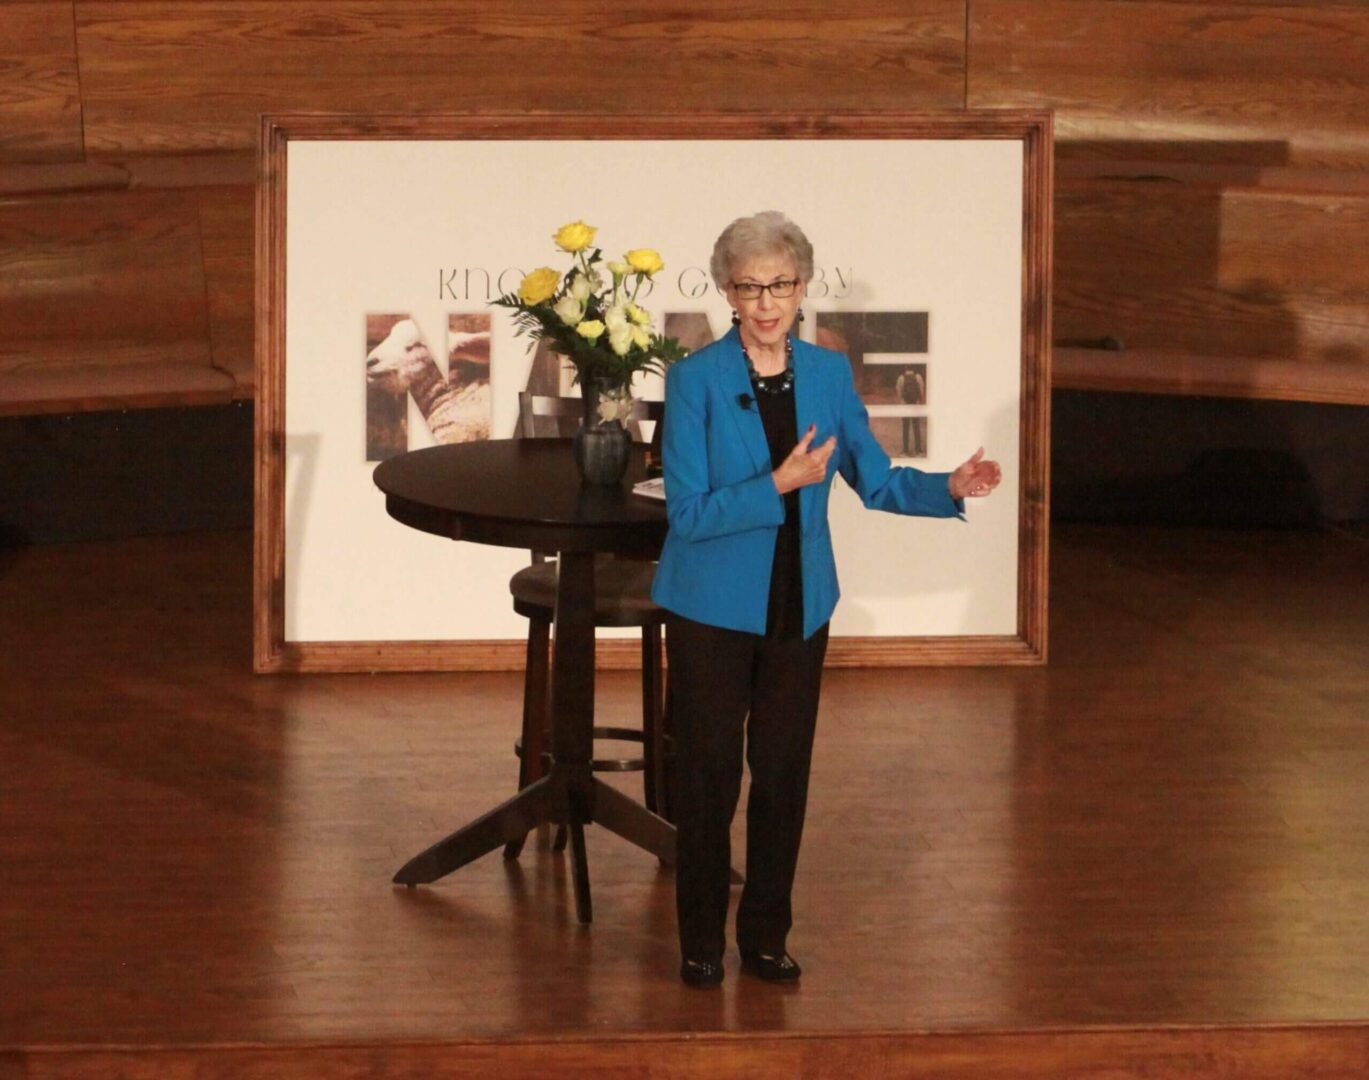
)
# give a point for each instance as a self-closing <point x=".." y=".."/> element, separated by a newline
<point x="601" y="446"/>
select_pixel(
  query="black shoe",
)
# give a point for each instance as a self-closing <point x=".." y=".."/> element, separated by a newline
<point x="702" y="972"/>
<point x="782" y="968"/>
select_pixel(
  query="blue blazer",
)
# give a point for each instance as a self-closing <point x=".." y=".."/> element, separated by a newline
<point x="721" y="501"/>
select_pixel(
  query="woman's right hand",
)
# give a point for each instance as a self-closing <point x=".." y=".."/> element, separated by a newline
<point x="804" y="466"/>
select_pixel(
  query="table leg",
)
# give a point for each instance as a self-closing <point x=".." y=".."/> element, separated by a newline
<point x="511" y="820"/>
<point x="535" y="705"/>
<point x="579" y="872"/>
<point x="626" y="817"/>
<point x="572" y="662"/>
<point x="572" y="708"/>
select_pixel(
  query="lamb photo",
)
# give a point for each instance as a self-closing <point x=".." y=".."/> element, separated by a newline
<point x="399" y="364"/>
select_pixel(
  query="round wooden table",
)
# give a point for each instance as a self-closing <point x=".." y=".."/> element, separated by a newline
<point x="526" y="493"/>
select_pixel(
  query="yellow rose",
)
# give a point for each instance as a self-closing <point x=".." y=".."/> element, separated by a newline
<point x="539" y="285"/>
<point x="644" y="260"/>
<point x="574" y="237"/>
<point x="590" y="329"/>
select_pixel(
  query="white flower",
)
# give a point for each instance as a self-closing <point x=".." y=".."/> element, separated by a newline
<point x="615" y="318"/>
<point x="616" y="405"/>
<point x="638" y="315"/>
<point x="579" y="287"/>
<point x="620" y="340"/>
<point x="570" y="310"/>
<point x="641" y="338"/>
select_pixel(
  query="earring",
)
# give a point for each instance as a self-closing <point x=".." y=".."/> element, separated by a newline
<point x="800" y="314"/>
<point x="736" y="319"/>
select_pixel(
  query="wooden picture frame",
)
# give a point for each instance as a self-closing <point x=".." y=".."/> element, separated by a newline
<point x="1031" y="130"/>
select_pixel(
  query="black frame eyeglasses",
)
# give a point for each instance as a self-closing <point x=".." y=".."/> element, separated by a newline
<point x="780" y="290"/>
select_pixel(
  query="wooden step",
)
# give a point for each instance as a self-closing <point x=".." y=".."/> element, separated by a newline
<point x="1149" y="371"/>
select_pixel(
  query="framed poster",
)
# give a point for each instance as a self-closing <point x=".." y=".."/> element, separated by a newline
<point x="381" y="241"/>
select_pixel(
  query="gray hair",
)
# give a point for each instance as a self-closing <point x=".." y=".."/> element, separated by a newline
<point x="766" y="233"/>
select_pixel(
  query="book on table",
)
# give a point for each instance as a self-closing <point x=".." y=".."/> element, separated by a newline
<point x="650" y="489"/>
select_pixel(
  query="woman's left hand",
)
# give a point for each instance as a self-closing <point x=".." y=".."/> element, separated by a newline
<point x="975" y="478"/>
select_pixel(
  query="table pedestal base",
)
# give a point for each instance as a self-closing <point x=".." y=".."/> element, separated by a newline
<point x="566" y="796"/>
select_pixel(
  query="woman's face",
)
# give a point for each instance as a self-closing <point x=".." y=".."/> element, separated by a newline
<point x="765" y="320"/>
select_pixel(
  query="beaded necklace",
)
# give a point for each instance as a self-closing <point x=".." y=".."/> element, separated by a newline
<point x="763" y="383"/>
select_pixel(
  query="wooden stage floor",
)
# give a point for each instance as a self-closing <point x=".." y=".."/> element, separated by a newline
<point x="1150" y="858"/>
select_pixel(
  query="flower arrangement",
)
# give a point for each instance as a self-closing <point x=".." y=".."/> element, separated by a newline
<point x="597" y="324"/>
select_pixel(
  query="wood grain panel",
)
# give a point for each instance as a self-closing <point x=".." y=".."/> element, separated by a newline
<point x="1211" y="271"/>
<point x="1267" y="83"/>
<point x="117" y="174"/>
<point x="1327" y="1052"/>
<point x="226" y="216"/>
<point x="96" y="387"/>
<point x="1152" y="371"/>
<point x="161" y="77"/>
<point x="1273" y="178"/>
<point x="40" y="99"/>
<point x="613" y="654"/>
<point x="106" y="293"/>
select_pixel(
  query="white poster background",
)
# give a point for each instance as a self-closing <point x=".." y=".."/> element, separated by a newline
<point x="376" y="226"/>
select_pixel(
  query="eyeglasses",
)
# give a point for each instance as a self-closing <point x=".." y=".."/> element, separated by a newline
<point x="750" y="290"/>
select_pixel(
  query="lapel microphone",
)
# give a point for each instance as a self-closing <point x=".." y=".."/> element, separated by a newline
<point x="745" y="401"/>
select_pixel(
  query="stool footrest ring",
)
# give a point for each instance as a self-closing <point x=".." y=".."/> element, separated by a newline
<point x="615" y="734"/>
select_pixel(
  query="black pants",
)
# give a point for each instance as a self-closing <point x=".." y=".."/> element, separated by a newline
<point x="718" y="679"/>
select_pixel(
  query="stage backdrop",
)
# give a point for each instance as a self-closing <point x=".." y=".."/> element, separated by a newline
<point x="381" y="242"/>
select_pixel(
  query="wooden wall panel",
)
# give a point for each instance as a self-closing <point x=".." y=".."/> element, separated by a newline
<point x="160" y="77"/>
<point x="1237" y="292"/>
<point x="1154" y="371"/>
<point x="1207" y="270"/>
<point x="1248" y="284"/>
<point x="102" y="298"/>
<point x="227" y="215"/>
<point x="40" y="101"/>
<point x="1226" y="80"/>
<point x="121" y="173"/>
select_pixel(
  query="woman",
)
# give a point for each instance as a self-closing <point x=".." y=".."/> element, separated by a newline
<point x="748" y="570"/>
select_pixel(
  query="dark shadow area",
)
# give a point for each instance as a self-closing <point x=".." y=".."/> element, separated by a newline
<point x="1145" y="458"/>
<point x="104" y="475"/>
<point x="13" y="541"/>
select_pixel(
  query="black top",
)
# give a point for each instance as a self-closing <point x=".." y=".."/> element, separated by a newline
<point x="781" y="432"/>
<point x="785" y="614"/>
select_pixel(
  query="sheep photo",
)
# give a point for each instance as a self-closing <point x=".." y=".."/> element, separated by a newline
<point x="400" y="364"/>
